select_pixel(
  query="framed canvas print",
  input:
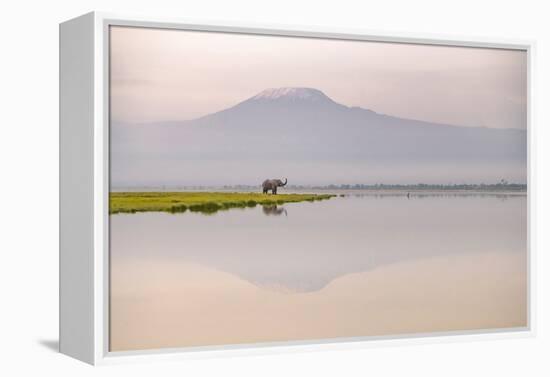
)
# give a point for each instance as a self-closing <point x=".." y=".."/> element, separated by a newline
<point x="233" y="189"/>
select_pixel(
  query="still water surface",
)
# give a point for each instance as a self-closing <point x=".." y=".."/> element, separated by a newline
<point x="358" y="265"/>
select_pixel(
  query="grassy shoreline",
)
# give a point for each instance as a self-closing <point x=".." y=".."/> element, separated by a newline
<point x="204" y="202"/>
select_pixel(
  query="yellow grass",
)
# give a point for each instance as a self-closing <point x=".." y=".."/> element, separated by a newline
<point x="205" y="202"/>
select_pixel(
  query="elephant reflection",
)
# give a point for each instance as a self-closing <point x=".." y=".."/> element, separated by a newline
<point x="274" y="210"/>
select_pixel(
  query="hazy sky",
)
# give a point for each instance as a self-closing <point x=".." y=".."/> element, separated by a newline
<point x="159" y="75"/>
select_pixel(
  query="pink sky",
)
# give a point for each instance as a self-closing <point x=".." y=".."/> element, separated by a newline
<point x="160" y="75"/>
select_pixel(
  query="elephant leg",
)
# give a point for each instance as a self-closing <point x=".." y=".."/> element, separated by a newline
<point x="274" y="190"/>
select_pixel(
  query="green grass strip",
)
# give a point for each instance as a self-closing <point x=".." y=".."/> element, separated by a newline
<point x="203" y="202"/>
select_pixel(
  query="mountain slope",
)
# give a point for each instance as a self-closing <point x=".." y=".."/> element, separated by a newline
<point x="303" y="124"/>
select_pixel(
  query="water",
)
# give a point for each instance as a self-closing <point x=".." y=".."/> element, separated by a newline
<point x="359" y="265"/>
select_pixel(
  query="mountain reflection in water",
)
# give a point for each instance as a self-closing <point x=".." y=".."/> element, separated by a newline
<point x="322" y="241"/>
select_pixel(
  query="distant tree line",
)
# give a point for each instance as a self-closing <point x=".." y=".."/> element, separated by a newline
<point x="501" y="186"/>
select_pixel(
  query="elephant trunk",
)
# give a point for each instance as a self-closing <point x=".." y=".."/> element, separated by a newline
<point x="286" y="180"/>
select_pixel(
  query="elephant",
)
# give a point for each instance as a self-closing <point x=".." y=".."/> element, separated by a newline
<point x="272" y="184"/>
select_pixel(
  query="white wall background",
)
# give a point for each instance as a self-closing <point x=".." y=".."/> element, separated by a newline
<point x="29" y="188"/>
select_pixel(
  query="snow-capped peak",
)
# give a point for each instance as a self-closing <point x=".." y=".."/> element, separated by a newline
<point x="309" y="94"/>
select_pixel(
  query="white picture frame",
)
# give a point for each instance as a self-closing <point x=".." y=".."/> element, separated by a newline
<point x="84" y="188"/>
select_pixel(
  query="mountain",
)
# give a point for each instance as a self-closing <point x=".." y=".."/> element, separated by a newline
<point x="299" y="126"/>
